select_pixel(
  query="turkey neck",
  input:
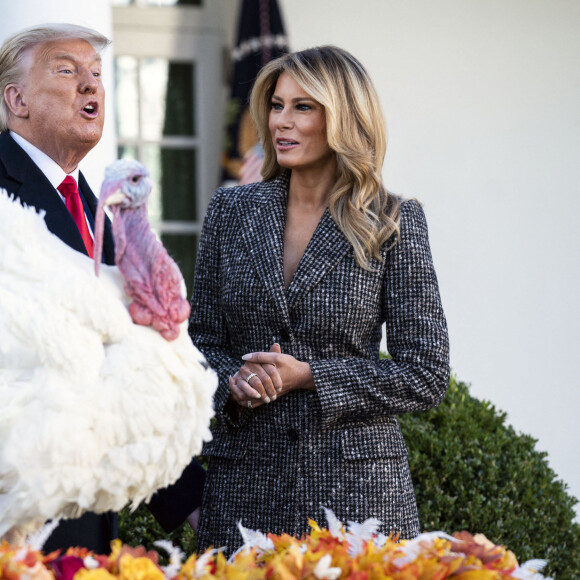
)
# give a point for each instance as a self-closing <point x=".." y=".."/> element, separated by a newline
<point x="136" y="246"/>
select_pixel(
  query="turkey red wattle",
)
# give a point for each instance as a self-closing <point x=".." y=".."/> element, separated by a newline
<point x="153" y="281"/>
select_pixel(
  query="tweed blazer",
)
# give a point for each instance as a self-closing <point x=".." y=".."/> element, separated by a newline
<point x="339" y="446"/>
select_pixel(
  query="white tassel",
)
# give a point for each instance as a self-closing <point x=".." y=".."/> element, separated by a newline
<point x="335" y="527"/>
<point x="175" y="558"/>
<point x="530" y="570"/>
<point x="253" y="539"/>
<point x="37" y="539"/>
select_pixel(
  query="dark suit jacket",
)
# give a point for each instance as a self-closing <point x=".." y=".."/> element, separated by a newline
<point x="275" y="466"/>
<point x="172" y="505"/>
<point x="22" y="177"/>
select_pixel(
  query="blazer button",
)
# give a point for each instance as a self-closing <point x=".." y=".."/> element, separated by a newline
<point x="284" y="335"/>
<point x="292" y="435"/>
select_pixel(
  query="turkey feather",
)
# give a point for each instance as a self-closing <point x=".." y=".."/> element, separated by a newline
<point x="97" y="411"/>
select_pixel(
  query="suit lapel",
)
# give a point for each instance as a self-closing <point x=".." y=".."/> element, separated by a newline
<point x="33" y="188"/>
<point x="326" y="248"/>
<point x="261" y="219"/>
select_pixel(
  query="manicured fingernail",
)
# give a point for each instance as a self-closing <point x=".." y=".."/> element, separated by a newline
<point x="247" y="357"/>
<point x="267" y="399"/>
<point x="273" y="397"/>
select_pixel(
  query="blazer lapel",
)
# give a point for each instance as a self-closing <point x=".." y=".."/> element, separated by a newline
<point x="261" y="219"/>
<point x="326" y="248"/>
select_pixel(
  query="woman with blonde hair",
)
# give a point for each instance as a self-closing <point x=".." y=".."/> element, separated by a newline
<point x="294" y="279"/>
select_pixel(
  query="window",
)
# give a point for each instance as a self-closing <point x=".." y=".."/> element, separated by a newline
<point x="156" y="2"/>
<point x="155" y="123"/>
<point x="169" y="100"/>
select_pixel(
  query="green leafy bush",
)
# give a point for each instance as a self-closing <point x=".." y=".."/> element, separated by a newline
<point x="140" y="528"/>
<point x="471" y="472"/>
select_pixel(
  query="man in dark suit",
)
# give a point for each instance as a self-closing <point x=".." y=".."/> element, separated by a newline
<point x="51" y="116"/>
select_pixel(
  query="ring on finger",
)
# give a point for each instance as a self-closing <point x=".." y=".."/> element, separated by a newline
<point x="249" y="404"/>
<point x="250" y="377"/>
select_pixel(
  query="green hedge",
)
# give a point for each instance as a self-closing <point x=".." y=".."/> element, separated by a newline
<point x="140" y="528"/>
<point x="471" y="472"/>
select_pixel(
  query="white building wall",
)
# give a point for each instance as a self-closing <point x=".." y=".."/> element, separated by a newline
<point x="14" y="16"/>
<point x="482" y="100"/>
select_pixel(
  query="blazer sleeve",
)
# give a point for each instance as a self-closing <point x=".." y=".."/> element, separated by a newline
<point x="417" y="376"/>
<point x="207" y="326"/>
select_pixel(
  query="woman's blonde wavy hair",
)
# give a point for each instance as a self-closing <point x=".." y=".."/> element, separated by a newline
<point x="364" y="210"/>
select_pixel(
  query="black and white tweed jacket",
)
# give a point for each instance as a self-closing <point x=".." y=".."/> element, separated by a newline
<point x="274" y="467"/>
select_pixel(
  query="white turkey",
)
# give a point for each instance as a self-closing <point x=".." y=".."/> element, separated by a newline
<point x="96" y="411"/>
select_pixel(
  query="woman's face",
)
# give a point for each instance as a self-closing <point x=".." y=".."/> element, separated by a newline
<point x="298" y="128"/>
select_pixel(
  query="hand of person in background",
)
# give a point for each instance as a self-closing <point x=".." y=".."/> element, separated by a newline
<point x="193" y="519"/>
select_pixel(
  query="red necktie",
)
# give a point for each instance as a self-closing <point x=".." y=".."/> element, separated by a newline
<point x="70" y="192"/>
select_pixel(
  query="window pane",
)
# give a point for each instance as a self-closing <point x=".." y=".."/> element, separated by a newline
<point x="152" y="160"/>
<point x="153" y="96"/>
<point x="127" y="97"/>
<point x="157" y="2"/>
<point x="174" y="176"/>
<point x="127" y="152"/>
<point x="169" y="2"/>
<point x="167" y="98"/>
<point x="183" y="249"/>
<point x="180" y="116"/>
<point x="178" y="182"/>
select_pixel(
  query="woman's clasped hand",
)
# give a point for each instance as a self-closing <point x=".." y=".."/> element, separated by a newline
<point x="265" y="376"/>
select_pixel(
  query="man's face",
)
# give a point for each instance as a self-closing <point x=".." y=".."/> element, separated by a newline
<point x="64" y="98"/>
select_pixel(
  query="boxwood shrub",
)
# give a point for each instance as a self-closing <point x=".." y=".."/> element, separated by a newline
<point x="140" y="528"/>
<point x="471" y="472"/>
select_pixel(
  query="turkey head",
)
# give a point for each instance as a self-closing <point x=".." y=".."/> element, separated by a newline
<point x="153" y="282"/>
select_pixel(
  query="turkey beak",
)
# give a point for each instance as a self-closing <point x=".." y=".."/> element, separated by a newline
<point x="115" y="198"/>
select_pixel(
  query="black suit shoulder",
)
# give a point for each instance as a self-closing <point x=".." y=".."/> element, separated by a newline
<point x="19" y="175"/>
